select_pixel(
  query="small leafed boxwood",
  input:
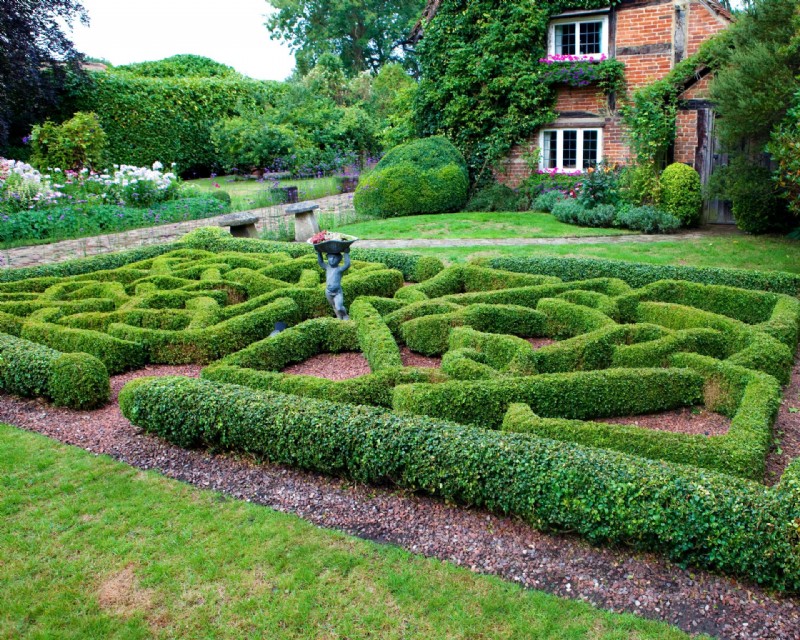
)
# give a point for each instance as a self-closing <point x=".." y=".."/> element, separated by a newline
<point x="74" y="380"/>
<point x="694" y="516"/>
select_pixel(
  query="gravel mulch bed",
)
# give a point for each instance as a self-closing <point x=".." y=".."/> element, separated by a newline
<point x="686" y="420"/>
<point x="616" y="579"/>
<point x="411" y="359"/>
<point x="333" y="366"/>
<point x="538" y="343"/>
<point x="787" y="429"/>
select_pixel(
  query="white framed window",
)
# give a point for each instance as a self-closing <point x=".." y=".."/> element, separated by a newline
<point x="570" y="149"/>
<point x="585" y="38"/>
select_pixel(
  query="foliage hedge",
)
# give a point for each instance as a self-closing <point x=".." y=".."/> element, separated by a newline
<point x="691" y="515"/>
<point x="638" y="275"/>
<point x="74" y="380"/>
<point x="421" y="176"/>
<point x="169" y="119"/>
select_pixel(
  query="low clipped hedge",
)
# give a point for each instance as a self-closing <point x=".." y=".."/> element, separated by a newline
<point x="430" y="334"/>
<point x="374" y="389"/>
<point x="578" y="395"/>
<point x="693" y="516"/>
<point x="74" y="380"/>
<point x="204" y="345"/>
<point x="374" y="338"/>
<point x="422" y="176"/>
<point x="639" y="275"/>
<point x="118" y="355"/>
<point x="414" y="267"/>
<point x="752" y="401"/>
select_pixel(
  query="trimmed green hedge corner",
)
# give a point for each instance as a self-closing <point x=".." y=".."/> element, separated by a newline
<point x="74" y="380"/>
<point x="694" y="516"/>
<point x="422" y="176"/>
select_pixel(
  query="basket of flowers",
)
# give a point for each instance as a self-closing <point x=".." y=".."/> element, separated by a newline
<point x="331" y="242"/>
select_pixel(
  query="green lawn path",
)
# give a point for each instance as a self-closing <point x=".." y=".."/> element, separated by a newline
<point x="91" y="548"/>
<point x="527" y="224"/>
<point x="738" y="251"/>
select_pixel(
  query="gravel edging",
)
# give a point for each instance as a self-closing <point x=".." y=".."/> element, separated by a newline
<point x="618" y="579"/>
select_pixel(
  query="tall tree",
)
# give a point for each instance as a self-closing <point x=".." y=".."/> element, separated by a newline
<point x="364" y="34"/>
<point x="36" y="60"/>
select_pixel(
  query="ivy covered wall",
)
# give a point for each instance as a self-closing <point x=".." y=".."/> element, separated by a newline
<point x="482" y="83"/>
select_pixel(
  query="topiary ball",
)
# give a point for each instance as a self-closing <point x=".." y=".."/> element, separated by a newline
<point x="78" y="381"/>
<point x="423" y="176"/>
<point x="681" y="193"/>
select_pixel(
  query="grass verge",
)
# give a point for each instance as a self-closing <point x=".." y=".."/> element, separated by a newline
<point x="766" y="253"/>
<point x="251" y="194"/>
<point x="526" y="224"/>
<point x="92" y="548"/>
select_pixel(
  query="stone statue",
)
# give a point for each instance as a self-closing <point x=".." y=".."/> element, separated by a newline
<point x="333" y="280"/>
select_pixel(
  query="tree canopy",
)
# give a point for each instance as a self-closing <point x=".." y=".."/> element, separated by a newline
<point x="364" y="34"/>
<point x="37" y="60"/>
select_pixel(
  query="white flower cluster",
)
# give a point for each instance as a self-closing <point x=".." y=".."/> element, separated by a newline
<point x="29" y="188"/>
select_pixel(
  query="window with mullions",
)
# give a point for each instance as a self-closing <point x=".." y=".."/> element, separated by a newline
<point x="570" y="149"/>
<point x="586" y="37"/>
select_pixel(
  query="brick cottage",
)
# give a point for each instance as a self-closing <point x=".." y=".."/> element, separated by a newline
<point x="649" y="37"/>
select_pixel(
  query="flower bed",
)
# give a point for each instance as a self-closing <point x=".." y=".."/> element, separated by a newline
<point x="501" y="424"/>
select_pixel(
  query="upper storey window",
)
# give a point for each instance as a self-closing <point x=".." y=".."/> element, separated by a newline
<point x="579" y="38"/>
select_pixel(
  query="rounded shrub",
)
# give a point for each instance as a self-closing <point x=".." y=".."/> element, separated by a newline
<point x="423" y="176"/>
<point x="222" y="196"/>
<point x="681" y="193"/>
<point x="79" y="381"/>
<point x="569" y="211"/>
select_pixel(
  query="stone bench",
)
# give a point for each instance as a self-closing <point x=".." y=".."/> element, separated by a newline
<point x="242" y="225"/>
<point x="305" y="220"/>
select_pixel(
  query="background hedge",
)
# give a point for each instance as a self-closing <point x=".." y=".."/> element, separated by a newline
<point x="638" y="275"/>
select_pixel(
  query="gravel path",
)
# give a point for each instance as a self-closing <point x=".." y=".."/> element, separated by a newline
<point x="616" y="579"/>
<point x="787" y="429"/>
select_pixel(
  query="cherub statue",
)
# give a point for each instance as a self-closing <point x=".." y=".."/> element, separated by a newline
<point x="333" y="280"/>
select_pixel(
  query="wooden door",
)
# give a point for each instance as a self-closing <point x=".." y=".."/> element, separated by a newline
<point x="708" y="157"/>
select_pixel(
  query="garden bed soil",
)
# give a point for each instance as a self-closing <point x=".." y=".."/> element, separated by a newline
<point x="618" y="579"/>
<point x="351" y="364"/>
<point x="687" y="420"/>
<point x="786" y="446"/>
<point x="538" y="343"/>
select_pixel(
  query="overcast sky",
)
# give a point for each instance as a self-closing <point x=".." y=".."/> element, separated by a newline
<point x="231" y="32"/>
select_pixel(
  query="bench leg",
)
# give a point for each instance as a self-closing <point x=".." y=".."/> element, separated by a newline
<point x="244" y="231"/>
<point x="305" y="226"/>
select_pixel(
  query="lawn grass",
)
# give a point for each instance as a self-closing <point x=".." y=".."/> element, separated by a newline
<point x="527" y="224"/>
<point x="251" y="194"/>
<point x="92" y="548"/>
<point x="767" y="253"/>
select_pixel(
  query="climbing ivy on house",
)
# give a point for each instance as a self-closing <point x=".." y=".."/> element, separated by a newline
<point x="483" y="84"/>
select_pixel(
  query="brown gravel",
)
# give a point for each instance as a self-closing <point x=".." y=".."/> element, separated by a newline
<point x="411" y="359"/>
<point x="333" y="366"/>
<point x="618" y="579"/>
<point x="787" y="429"/>
<point x="538" y="343"/>
<point x="683" y="420"/>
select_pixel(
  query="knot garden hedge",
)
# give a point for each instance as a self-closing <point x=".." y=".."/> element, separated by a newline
<point x="501" y="425"/>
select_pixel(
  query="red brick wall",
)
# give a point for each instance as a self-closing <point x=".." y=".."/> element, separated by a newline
<point x="641" y="24"/>
<point x="587" y="99"/>
<point x="703" y="23"/>
<point x="686" y="136"/>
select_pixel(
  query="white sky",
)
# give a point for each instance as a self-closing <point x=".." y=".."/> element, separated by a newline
<point x="231" y="32"/>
